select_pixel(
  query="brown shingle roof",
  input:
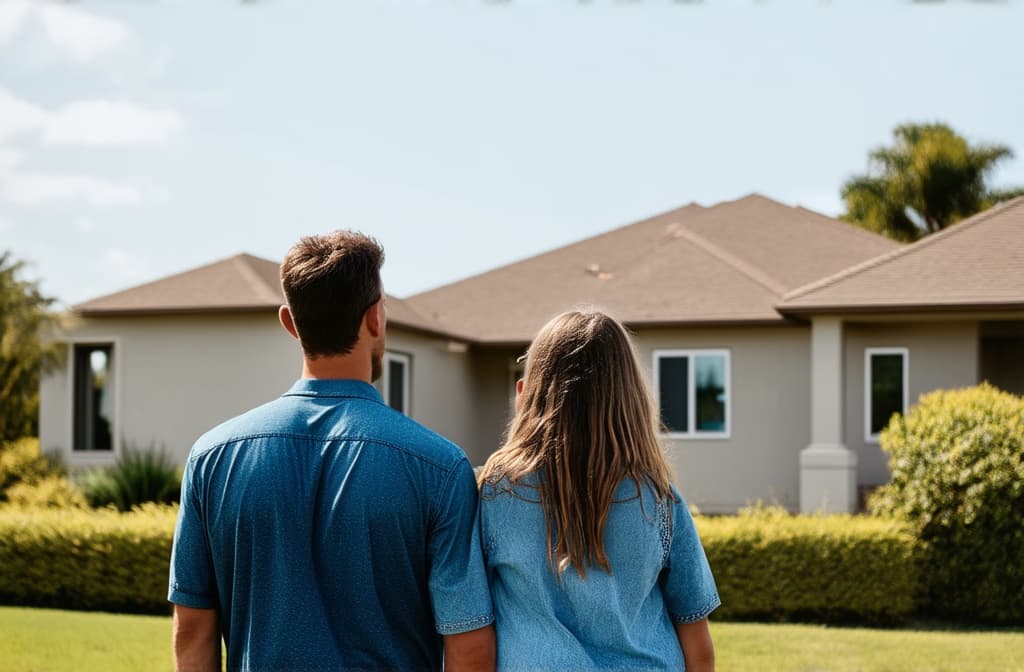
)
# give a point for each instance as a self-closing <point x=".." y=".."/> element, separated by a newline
<point x="730" y="263"/>
<point x="237" y="284"/>
<point x="976" y="264"/>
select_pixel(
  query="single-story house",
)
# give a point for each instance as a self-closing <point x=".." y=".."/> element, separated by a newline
<point x="778" y="341"/>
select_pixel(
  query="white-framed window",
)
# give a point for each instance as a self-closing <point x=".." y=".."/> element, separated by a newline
<point x="886" y="375"/>
<point x="94" y="427"/>
<point x="693" y="393"/>
<point x="395" y="381"/>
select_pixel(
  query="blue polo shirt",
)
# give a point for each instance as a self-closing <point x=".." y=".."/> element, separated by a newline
<point x="330" y="532"/>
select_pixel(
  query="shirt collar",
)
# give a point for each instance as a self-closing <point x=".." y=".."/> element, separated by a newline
<point x="325" y="387"/>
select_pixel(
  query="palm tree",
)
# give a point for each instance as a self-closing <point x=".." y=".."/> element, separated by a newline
<point x="927" y="180"/>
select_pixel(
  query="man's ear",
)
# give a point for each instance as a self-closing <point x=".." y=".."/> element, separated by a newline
<point x="374" y="318"/>
<point x="284" y="314"/>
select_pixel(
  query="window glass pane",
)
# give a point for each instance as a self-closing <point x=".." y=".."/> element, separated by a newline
<point x="396" y="385"/>
<point x="709" y="380"/>
<point x="886" y="389"/>
<point x="673" y="392"/>
<point x="94" y="399"/>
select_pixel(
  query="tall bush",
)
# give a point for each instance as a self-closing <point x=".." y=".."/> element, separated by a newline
<point x="957" y="463"/>
<point x="22" y="463"/>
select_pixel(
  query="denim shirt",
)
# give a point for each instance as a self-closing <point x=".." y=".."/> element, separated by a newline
<point x="624" y="620"/>
<point x="330" y="532"/>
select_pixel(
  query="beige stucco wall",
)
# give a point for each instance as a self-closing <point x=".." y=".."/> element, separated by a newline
<point x="175" y="377"/>
<point x="941" y="355"/>
<point x="770" y="416"/>
<point x="441" y="384"/>
<point x="770" y="407"/>
<point x="178" y="376"/>
<point x="493" y="398"/>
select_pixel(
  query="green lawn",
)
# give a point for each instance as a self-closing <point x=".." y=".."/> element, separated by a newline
<point x="37" y="640"/>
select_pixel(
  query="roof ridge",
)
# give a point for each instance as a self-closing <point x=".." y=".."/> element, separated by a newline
<point x="747" y="269"/>
<point x="242" y="261"/>
<point x="560" y="248"/>
<point x="849" y="227"/>
<point x="906" y="250"/>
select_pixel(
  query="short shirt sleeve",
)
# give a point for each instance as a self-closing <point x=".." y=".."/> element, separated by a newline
<point x="191" y="582"/>
<point x="459" y="593"/>
<point x="686" y="582"/>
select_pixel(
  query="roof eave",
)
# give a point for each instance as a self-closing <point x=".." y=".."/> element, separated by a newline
<point x="780" y="321"/>
<point x="862" y="308"/>
<point x="85" y="311"/>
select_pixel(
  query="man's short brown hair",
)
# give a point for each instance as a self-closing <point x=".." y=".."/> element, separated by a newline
<point x="330" y="281"/>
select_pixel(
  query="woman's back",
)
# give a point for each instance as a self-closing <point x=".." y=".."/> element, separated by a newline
<point x="587" y="570"/>
<point x="624" y="619"/>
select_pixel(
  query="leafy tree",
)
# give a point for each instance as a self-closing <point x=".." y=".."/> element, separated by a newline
<point x="24" y="317"/>
<point x="930" y="178"/>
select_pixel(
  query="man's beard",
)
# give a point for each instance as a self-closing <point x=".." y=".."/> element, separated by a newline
<point x="377" y="361"/>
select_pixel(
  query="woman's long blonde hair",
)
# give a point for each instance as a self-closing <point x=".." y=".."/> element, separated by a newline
<point x="584" y="422"/>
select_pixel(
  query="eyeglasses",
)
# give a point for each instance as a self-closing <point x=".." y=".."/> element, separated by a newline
<point x="522" y="358"/>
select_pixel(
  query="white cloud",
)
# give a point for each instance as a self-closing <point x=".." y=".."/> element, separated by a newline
<point x="83" y="36"/>
<point x="30" y="189"/>
<point x="9" y="160"/>
<point x="127" y="265"/>
<point x="12" y="17"/>
<point x="19" y="116"/>
<point x="111" y="122"/>
<point x="88" y="122"/>
<point x="85" y="224"/>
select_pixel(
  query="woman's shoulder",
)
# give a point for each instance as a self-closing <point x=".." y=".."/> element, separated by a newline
<point x="526" y="487"/>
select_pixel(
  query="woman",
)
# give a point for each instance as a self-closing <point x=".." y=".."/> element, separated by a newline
<point x="593" y="557"/>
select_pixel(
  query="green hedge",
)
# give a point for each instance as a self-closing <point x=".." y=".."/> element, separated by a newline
<point x="768" y="565"/>
<point x="86" y="559"/>
<point x="774" y="566"/>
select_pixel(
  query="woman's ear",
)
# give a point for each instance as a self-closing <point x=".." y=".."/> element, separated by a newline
<point x="519" y="386"/>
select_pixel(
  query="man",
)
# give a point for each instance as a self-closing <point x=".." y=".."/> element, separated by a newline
<point x="324" y="530"/>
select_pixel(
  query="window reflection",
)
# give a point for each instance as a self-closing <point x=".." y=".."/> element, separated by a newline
<point x="709" y="374"/>
<point x="94" y="398"/>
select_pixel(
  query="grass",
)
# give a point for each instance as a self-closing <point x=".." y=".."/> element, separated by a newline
<point x="814" y="648"/>
<point x="37" y="640"/>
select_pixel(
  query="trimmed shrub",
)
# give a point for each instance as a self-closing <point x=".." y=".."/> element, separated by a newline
<point x="957" y="462"/>
<point x="21" y="462"/>
<point x="770" y="565"/>
<point x="50" y="492"/>
<point x="87" y="559"/>
<point x="136" y="478"/>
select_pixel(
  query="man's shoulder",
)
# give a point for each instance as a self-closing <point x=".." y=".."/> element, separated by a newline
<point x="261" y="420"/>
<point x="405" y="434"/>
<point x="368" y="422"/>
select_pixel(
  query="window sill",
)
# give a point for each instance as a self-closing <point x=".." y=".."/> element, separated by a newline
<point x="696" y="437"/>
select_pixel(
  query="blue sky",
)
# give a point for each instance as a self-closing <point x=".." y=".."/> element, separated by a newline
<point x="138" y="139"/>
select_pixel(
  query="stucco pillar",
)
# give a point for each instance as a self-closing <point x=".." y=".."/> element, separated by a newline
<point x="828" y="470"/>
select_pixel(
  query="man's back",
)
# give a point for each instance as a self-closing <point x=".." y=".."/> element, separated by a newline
<point x="330" y="532"/>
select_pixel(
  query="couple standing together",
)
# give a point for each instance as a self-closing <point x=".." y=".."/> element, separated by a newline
<point x="326" y="531"/>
